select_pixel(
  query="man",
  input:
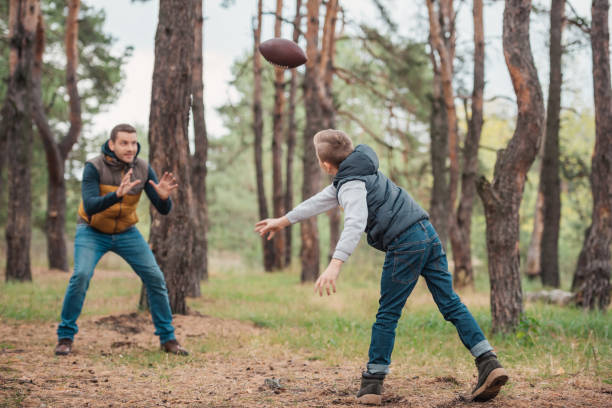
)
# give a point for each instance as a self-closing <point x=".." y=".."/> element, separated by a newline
<point x="111" y="188"/>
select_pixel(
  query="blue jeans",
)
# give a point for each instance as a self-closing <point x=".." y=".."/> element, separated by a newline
<point x="418" y="251"/>
<point x="89" y="246"/>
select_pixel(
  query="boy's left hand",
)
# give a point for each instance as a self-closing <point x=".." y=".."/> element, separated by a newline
<point x="329" y="277"/>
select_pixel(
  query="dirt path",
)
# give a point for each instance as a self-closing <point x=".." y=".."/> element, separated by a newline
<point x="116" y="364"/>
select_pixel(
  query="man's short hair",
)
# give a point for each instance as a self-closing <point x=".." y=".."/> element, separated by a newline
<point x="122" y="127"/>
<point x="333" y="146"/>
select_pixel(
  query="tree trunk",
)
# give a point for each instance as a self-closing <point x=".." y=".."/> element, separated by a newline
<point x="534" y="253"/>
<point x="268" y="246"/>
<point x="172" y="236"/>
<point x="57" y="252"/>
<point x="291" y="135"/>
<point x="17" y="126"/>
<point x="198" y="160"/>
<point x="549" y="178"/>
<point x="446" y="73"/>
<point x="502" y="198"/>
<point x="439" y="206"/>
<point x="462" y="230"/>
<point x="277" y="149"/>
<point x="592" y="277"/>
<point x="57" y="153"/>
<point x="309" y="253"/>
<point x="328" y="51"/>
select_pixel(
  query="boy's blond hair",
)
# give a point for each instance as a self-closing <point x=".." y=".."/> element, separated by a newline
<point x="333" y="146"/>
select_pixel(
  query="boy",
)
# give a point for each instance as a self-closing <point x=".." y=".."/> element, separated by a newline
<point x="396" y="224"/>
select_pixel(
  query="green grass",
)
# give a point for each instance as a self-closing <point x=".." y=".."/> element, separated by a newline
<point x="334" y="329"/>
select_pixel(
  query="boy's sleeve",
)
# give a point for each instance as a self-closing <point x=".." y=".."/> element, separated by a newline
<point x="163" y="206"/>
<point x="317" y="204"/>
<point x="93" y="202"/>
<point x="353" y="198"/>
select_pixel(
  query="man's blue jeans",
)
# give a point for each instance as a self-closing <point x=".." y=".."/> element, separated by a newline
<point x="418" y="251"/>
<point x="89" y="246"/>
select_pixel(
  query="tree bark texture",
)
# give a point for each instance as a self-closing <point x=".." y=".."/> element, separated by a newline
<point x="445" y="57"/>
<point x="592" y="278"/>
<point x="198" y="160"/>
<point x="291" y="135"/>
<point x="57" y="152"/>
<point x="534" y="252"/>
<point x="502" y="197"/>
<point x="549" y="177"/>
<point x="309" y="253"/>
<point x="277" y="146"/>
<point x="440" y="205"/>
<point x="268" y="246"/>
<point x="17" y="127"/>
<point x="172" y="236"/>
<point x="328" y="51"/>
<point x="462" y="228"/>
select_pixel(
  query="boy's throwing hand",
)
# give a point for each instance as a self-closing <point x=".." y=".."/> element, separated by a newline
<point x="328" y="278"/>
<point x="271" y="225"/>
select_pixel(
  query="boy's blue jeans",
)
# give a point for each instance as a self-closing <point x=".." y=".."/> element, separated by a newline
<point x="418" y="251"/>
<point x="89" y="246"/>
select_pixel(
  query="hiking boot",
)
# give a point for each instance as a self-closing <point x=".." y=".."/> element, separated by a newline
<point x="173" y="347"/>
<point x="63" y="347"/>
<point x="371" y="389"/>
<point x="491" y="377"/>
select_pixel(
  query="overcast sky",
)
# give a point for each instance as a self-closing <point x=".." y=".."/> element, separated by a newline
<point x="228" y="35"/>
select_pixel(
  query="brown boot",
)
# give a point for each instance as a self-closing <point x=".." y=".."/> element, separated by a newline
<point x="63" y="347"/>
<point x="371" y="389"/>
<point x="491" y="377"/>
<point x="173" y="347"/>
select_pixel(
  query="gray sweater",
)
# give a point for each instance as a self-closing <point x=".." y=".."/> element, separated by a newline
<point x="352" y="197"/>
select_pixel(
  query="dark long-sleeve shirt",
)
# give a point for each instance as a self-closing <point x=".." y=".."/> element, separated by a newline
<point x="94" y="203"/>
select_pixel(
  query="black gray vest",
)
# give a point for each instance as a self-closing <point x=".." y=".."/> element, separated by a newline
<point x="391" y="210"/>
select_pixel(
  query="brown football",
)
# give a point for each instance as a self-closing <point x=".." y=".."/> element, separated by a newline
<point x="283" y="53"/>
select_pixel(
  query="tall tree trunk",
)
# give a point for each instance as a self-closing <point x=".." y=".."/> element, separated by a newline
<point x="57" y="153"/>
<point x="462" y="230"/>
<point x="549" y="178"/>
<point x="268" y="246"/>
<point x="198" y="160"/>
<point x="277" y="148"/>
<point x="328" y="51"/>
<point x="291" y="134"/>
<point x="446" y="72"/>
<point x="439" y="204"/>
<point x="592" y="278"/>
<point x="534" y="252"/>
<point x="17" y="126"/>
<point x="502" y="198"/>
<point x="309" y="253"/>
<point x="172" y="236"/>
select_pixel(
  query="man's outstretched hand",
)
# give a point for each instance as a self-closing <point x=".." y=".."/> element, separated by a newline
<point x="166" y="185"/>
<point x="271" y="225"/>
<point x="126" y="185"/>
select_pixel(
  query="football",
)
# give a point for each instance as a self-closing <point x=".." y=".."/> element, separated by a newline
<point x="282" y="53"/>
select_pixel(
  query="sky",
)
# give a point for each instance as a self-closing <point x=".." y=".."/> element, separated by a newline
<point x="228" y="35"/>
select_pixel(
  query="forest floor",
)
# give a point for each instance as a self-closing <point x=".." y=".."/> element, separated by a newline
<point x="116" y="362"/>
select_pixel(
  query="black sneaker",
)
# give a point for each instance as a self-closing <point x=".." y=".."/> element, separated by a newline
<point x="491" y="377"/>
<point x="371" y="389"/>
